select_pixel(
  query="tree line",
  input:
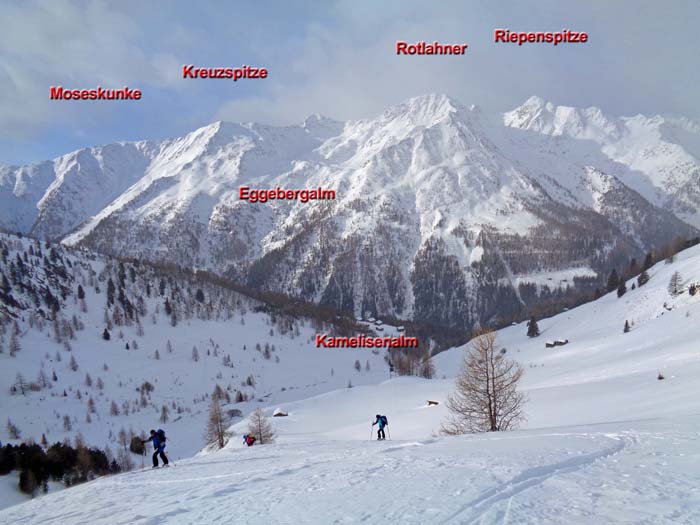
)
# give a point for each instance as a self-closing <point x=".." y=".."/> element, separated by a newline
<point x="59" y="462"/>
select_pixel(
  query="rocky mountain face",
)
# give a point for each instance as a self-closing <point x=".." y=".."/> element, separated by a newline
<point x="442" y="214"/>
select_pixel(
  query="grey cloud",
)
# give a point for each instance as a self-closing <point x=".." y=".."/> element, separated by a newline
<point x="641" y="57"/>
<point x="79" y="45"/>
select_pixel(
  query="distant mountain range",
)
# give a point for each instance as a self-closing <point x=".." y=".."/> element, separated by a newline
<point x="443" y="214"/>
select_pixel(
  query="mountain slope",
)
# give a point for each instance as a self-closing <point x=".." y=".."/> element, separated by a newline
<point x="605" y="442"/>
<point x="439" y="212"/>
<point x="181" y="333"/>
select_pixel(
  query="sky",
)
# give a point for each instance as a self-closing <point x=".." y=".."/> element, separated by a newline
<point x="335" y="58"/>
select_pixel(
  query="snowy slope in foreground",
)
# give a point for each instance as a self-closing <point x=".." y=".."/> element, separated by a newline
<point x="637" y="472"/>
<point x="605" y="441"/>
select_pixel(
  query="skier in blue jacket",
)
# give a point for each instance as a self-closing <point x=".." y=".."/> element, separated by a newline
<point x="158" y="440"/>
<point x="382" y="422"/>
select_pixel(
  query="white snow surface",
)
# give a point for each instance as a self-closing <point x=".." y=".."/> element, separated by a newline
<point x="605" y="441"/>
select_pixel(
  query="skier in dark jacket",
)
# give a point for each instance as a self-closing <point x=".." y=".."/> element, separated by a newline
<point x="382" y="422"/>
<point x="158" y="440"/>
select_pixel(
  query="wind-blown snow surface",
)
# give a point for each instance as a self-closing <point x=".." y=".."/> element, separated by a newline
<point x="605" y="441"/>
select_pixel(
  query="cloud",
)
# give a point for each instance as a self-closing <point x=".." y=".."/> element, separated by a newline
<point x="347" y="66"/>
<point x="331" y="57"/>
<point x="75" y="45"/>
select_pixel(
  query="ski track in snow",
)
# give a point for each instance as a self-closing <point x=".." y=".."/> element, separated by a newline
<point x="526" y="479"/>
<point x="612" y="473"/>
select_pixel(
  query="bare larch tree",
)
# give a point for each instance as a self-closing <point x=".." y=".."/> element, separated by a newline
<point x="486" y="398"/>
<point x="260" y="427"/>
<point x="217" y="424"/>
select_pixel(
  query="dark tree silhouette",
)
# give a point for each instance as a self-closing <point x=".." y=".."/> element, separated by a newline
<point x="532" y="329"/>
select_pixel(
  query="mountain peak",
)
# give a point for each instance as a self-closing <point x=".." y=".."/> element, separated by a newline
<point x="544" y="117"/>
<point x="321" y="127"/>
<point x="424" y="110"/>
<point x="534" y="102"/>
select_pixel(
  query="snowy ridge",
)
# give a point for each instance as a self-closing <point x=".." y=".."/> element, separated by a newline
<point x="662" y="153"/>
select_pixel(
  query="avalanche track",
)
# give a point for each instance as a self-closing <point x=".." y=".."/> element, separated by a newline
<point x="634" y="472"/>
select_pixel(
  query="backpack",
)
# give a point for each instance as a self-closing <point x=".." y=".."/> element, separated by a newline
<point x="385" y="420"/>
<point x="161" y="435"/>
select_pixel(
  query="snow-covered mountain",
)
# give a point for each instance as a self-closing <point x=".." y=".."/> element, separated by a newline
<point x="441" y="212"/>
<point x="605" y="440"/>
<point x="659" y="156"/>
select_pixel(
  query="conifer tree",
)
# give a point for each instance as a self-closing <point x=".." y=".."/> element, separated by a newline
<point x="675" y="285"/>
<point x="643" y="278"/>
<point x="20" y="386"/>
<point x="613" y="281"/>
<point x="6" y="288"/>
<point x="110" y="292"/>
<point x="626" y="328"/>
<point x="28" y="482"/>
<point x="532" y="329"/>
<point x="621" y="288"/>
<point x="15" y="347"/>
<point x="634" y="268"/>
